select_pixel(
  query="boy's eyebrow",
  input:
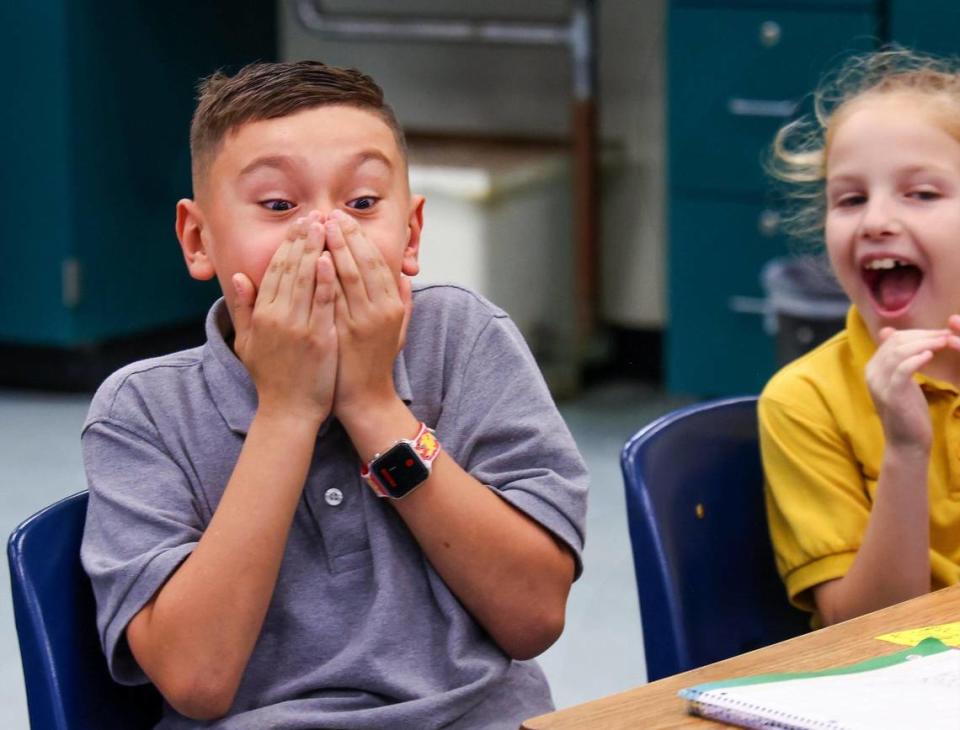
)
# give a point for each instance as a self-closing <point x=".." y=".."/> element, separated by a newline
<point x="278" y="162"/>
<point x="371" y="154"/>
<point x="286" y="162"/>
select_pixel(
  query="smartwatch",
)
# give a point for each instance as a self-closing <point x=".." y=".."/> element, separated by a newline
<point x="404" y="466"/>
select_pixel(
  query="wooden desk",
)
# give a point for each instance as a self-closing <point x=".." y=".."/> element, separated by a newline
<point x="656" y="705"/>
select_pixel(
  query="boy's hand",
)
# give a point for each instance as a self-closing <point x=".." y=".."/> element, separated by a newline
<point x="372" y="311"/>
<point x="899" y="400"/>
<point x="285" y="333"/>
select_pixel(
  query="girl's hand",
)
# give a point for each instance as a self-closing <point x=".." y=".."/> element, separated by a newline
<point x="897" y="396"/>
<point x="954" y="324"/>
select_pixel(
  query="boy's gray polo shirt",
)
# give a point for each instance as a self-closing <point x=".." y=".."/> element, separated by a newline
<point x="361" y="632"/>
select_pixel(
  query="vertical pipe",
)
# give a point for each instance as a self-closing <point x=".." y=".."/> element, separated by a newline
<point x="581" y="39"/>
<point x="586" y="214"/>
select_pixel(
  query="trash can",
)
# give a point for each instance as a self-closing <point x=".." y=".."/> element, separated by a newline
<point x="804" y="302"/>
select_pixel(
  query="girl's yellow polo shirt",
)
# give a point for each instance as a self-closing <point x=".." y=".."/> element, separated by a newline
<point x="822" y="446"/>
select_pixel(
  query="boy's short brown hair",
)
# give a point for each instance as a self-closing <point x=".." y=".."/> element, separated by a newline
<point x="261" y="91"/>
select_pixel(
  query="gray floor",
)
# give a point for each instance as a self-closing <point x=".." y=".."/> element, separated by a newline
<point x="601" y="650"/>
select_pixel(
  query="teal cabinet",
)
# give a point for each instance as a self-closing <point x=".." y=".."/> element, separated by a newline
<point x="735" y="76"/>
<point x="722" y="346"/>
<point x="736" y="72"/>
<point x="98" y="102"/>
<point x="927" y="25"/>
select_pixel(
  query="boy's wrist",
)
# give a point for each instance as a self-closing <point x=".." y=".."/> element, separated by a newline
<point x="376" y="425"/>
<point x="289" y="418"/>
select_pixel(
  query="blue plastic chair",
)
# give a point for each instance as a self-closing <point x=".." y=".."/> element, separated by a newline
<point x="706" y="577"/>
<point x="65" y="672"/>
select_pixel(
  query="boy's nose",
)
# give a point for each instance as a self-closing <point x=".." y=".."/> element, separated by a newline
<point x="319" y="211"/>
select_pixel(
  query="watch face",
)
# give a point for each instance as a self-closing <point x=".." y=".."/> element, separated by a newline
<point x="400" y="470"/>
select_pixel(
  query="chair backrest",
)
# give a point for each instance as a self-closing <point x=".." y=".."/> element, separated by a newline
<point x="706" y="577"/>
<point x="67" y="681"/>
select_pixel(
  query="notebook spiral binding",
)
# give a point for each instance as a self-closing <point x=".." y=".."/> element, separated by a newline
<point x="745" y="714"/>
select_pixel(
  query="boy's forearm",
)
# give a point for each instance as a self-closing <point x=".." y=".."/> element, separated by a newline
<point x="510" y="572"/>
<point x="893" y="562"/>
<point x="195" y="637"/>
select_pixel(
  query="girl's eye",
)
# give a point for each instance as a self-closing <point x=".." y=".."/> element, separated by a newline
<point x="924" y="194"/>
<point x="364" y="203"/>
<point x="279" y="206"/>
<point x="850" y="200"/>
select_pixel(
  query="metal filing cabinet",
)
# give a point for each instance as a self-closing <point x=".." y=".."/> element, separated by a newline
<point x="97" y="106"/>
<point x="736" y="72"/>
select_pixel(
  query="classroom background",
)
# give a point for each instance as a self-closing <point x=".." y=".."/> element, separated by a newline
<point x="592" y="166"/>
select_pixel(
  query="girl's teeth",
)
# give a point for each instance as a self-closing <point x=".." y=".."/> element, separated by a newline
<point x="883" y="264"/>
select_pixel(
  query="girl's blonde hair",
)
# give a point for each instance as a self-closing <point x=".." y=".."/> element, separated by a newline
<point x="799" y="151"/>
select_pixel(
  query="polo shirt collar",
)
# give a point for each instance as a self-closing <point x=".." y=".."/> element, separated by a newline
<point x="861" y="343"/>
<point x="231" y="386"/>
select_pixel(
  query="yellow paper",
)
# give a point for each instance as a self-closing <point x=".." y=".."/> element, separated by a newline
<point x="947" y="633"/>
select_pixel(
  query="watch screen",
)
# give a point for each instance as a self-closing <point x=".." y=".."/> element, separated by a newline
<point x="400" y="470"/>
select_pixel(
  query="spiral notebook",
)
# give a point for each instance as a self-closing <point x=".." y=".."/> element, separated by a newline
<point x="914" y="688"/>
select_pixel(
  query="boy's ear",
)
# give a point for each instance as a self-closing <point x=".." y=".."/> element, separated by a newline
<point x="411" y="252"/>
<point x="190" y="231"/>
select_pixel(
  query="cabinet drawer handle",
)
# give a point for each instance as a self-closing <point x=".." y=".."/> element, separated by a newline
<point x="768" y="223"/>
<point x="770" y="33"/>
<point x="755" y="305"/>
<point x="779" y="108"/>
<point x="748" y="305"/>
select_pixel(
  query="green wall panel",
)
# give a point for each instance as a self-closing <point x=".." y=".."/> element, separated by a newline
<point x="36" y="202"/>
<point x="99" y="155"/>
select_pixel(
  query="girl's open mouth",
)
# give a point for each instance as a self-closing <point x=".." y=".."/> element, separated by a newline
<point x="893" y="283"/>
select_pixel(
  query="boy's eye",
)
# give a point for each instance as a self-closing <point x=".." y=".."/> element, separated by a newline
<point x="279" y="206"/>
<point x="924" y="194"/>
<point x="364" y="203"/>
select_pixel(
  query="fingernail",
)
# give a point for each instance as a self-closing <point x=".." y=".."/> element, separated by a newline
<point x="236" y="284"/>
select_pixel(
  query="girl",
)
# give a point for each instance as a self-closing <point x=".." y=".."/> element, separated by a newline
<point x="861" y="437"/>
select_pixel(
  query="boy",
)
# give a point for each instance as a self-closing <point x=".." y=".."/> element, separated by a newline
<point x="239" y="560"/>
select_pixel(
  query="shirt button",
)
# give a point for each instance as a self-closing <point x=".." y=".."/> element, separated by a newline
<point x="333" y="496"/>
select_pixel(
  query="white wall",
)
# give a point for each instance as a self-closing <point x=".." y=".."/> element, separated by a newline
<point x="525" y="91"/>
